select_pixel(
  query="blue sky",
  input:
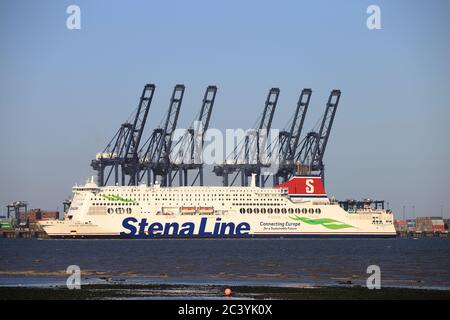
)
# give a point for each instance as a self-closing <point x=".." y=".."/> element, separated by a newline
<point x="65" y="92"/>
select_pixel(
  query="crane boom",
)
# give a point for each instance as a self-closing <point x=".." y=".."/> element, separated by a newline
<point x="292" y="140"/>
<point x="131" y="159"/>
<point x="165" y="144"/>
<point x="312" y="150"/>
<point x="208" y="104"/>
<point x="121" y="152"/>
<point x="188" y="155"/>
<point x="204" y="117"/>
<point x="325" y="129"/>
<point x="289" y="140"/>
<point x="269" y="109"/>
<point x="155" y="160"/>
<point x="249" y="146"/>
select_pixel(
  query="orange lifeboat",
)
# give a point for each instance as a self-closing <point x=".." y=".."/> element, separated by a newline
<point x="206" y="210"/>
<point x="188" y="210"/>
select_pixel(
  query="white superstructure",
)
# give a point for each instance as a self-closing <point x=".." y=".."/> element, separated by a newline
<point x="297" y="208"/>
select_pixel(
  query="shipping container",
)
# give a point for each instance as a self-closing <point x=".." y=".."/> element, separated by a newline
<point x="411" y="225"/>
<point x="37" y="215"/>
<point x="429" y="224"/>
<point x="447" y="224"/>
<point x="400" y="225"/>
<point x="438" y="225"/>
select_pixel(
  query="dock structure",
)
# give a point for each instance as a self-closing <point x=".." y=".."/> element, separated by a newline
<point x="422" y="227"/>
<point x="24" y="223"/>
<point x="126" y="161"/>
<point x="131" y="159"/>
<point x="13" y="234"/>
<point x="16" y="208"/>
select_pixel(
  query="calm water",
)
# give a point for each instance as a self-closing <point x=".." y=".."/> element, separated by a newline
<point x="404" y="262"/>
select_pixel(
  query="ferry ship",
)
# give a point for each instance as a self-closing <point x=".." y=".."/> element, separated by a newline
<point x="298" y="208"/>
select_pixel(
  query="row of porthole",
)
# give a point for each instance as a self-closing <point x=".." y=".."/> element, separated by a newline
<point x="278" y="210"/>
<point x="258" y="204"/>
<point x="113" y="204"/>
<point x="242" y="210"/>
<point x="118" y="210"/>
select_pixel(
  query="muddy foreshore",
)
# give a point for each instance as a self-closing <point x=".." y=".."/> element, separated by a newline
<point x="171" y="291"/>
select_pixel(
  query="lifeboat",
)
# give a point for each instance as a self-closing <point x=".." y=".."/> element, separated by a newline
<point x="206" y="210"/>
<point x="188" y="210"/>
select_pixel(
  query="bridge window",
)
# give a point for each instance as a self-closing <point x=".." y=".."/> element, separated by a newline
<point x="318" y="210"/>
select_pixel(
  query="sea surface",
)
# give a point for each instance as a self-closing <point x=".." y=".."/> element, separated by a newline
<point x="404" y="262"/>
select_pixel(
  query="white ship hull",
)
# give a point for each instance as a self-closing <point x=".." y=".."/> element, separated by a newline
<point x="276" y="226"/>
<point x="298" y="209"/>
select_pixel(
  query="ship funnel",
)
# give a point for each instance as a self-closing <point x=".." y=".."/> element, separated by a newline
<point x="304" y="186"/>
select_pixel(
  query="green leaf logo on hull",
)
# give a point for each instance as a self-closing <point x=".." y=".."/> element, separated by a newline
<point x="117" y="198"/>
<point x="326" y="222"/>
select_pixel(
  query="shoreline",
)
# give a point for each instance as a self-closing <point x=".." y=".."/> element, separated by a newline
<point x="57" y="279"/>
<point x="208" y="292"/>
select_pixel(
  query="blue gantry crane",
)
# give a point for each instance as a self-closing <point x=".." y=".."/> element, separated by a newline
<point x="188" y="156"/>
<point x="121" y="154"/>
<point x="131" y="163"/>
<point x="125" y="156"/>
<point x="289" y="141"/>
<point x="155" y="153"/>
<point x="111" y="157"/>
<point x="309" y="158"/>
<point x="247" y="160"/>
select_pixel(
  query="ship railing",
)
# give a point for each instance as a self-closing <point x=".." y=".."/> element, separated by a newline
<point x="366" y="210"/>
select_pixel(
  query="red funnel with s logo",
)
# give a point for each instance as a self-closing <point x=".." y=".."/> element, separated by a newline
<point x="304" y="186"/>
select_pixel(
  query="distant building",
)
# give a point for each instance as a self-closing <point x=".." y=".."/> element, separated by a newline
<point x="400" y="225"/>
<point x="430" y="224"/>
<point x="447" y="224"/>
<point x="38" y="214"/>
<point x="411" y="225"/>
